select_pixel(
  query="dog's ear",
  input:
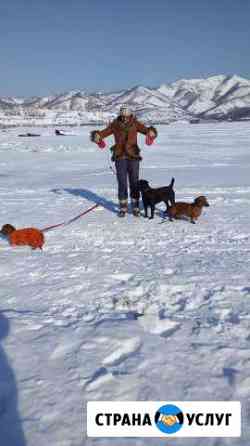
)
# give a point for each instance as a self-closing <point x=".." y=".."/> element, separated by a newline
<point x="197" y="201"/>
<point x="7" y="229"/>
<point x="142" y="184"/>
<point x="201" y="201"/>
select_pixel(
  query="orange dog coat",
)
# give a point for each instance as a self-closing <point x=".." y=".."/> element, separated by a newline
<point x="27" y="236"/>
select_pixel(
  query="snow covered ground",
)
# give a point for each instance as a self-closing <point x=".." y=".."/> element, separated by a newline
<point x="122" y="309"/>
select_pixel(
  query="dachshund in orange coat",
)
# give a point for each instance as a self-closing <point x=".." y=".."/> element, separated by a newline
<point x="28" y="236"/>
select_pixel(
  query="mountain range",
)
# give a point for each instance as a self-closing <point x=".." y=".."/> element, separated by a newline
<point x="214" y="98"/>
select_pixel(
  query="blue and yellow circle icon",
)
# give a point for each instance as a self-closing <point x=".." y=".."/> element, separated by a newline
<point x="169" y="419"/>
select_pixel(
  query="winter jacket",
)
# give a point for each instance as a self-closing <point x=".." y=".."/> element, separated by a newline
<point x="125" y="135"/>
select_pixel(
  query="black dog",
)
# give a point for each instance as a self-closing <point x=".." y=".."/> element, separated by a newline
<point x="151" y="197"/>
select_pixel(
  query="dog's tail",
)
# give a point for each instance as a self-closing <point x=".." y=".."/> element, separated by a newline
<point x="172" y="183"/>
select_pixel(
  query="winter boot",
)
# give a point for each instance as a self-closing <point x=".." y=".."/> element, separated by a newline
<point x="123" y="208"/>
<point x="135" y="208"/>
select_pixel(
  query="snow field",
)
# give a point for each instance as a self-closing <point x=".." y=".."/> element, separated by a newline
<point x="123" y="309"/>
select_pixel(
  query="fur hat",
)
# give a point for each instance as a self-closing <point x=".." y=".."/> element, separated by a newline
<point x="125" y="110"/>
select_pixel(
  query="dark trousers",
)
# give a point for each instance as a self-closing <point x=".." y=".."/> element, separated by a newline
<point x="127" y="171"/>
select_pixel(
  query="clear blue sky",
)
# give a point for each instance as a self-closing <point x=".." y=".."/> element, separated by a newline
<point x="50" y="46"/>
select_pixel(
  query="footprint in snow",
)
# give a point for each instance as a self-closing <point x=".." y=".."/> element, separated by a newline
<point x="126" y="349"/>
<point x="100" y="377"/>
<point x="162" y="327"/>
<point x="120" y="277"/>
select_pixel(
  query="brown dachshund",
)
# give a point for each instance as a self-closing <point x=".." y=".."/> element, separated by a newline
<point x="28" y="236"/>
<point x="191" y="210"/>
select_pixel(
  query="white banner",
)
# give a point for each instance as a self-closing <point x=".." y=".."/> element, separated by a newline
<point x="163" y="419"/>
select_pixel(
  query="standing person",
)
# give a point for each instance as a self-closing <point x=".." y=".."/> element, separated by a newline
<point x="126" y="155"/>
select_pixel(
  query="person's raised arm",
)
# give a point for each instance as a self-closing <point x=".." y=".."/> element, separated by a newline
<point x="97" y="135"/>
<point x="141" y="128"/>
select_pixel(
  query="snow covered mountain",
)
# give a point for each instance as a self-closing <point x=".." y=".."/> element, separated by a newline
<point x="217" y="97"/>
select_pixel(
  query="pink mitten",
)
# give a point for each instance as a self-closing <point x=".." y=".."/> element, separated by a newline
<point x="149" y="140"/>
<point x="101" y="144"/>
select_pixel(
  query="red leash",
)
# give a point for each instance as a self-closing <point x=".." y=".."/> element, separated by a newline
<point x="65" y="223"/>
